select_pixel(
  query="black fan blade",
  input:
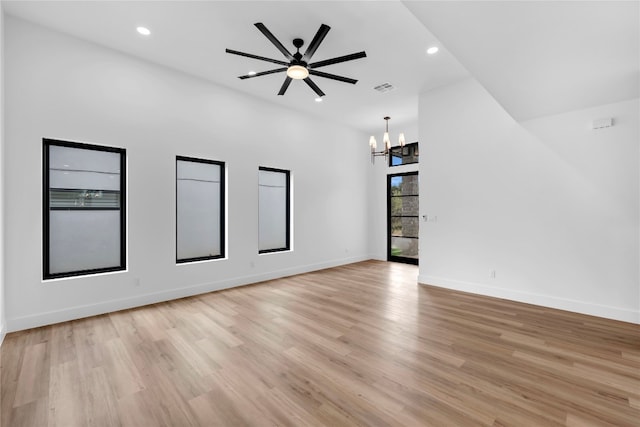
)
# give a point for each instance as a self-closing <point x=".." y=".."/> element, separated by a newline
<point x="261" y="58"/>
<point x="333" y="76"/>
<point x="317" y="39"/>
<point x="314" y="86"/>
<point x="274" y="40"/>
<point x="338" y="59"/>
<point x="262" y="73"/>
<point x="285" y="85"/>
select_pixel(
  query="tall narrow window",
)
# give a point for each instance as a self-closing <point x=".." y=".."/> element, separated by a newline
<point x="84" y="209"/>
<point x="274" y="210"/>
<point x="199" y="209"/>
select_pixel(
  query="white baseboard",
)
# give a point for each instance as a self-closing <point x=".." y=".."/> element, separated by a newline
<point x="78" y="312"/>
<point x="575" y="306"/>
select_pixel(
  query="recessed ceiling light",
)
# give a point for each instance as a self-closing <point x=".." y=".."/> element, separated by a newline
<point x="143" y="30"/>
<point x="251" y="73"/>
<point x="318" y="99"/>
<point x="432" y="50"/>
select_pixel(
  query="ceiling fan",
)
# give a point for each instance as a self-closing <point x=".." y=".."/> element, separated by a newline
<point x="298" y="66"/>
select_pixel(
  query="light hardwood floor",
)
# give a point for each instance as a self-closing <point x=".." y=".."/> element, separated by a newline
<point x="361" y="344"/>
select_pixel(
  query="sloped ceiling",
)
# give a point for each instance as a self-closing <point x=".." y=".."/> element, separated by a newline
<point x="542" y="57"/>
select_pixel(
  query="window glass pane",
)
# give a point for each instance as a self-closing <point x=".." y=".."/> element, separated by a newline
<point x="199" y="209"/>
<point x="404" y="247"/>
<point x="396" y="156"/>
<point x="412" y="154"/>
<point x="407" y="185"/>
<point x="404" y="227"/>
<point x="198" y="171"/>
<point x="273" y="210"/>
<point x="83" y="159"/>
<point x="404" y="155"/>
<point x="84" y="230"/>
<point x="84" y="240"/>
<point x="75" y="168"/>
<point x="410" y="205"/>
<point x="407" y="205"/>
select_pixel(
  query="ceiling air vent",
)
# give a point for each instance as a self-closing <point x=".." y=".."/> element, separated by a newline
<point x="384" y="87"/>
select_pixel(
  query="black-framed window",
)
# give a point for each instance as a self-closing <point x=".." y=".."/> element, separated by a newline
<point x="274" y="210"/>
<point x="200" y="209"/>
<point x="404" y="155"/>
<point x="84" y="215"/>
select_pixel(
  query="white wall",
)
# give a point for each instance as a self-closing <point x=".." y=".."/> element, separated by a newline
<point x="378" y="185"/>
<point x="549" y="204"/>
<point x="3" y="323"/>
<point x="64" y="88"/>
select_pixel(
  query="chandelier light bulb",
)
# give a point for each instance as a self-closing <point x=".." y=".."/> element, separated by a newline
<point x="401" y="139"/>
<point x="372" y="142"/>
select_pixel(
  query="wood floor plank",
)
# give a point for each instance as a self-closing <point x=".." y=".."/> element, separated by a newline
<point x="121" y="371"/>
<point x="286" y="411"/>
<point x="357" y="345"/>
<point x="136" y="410"/>
<point x="66" y="395"/>
<point x="206" y="410"/>
<point x="35" y="413"/>
<point x="62" y="344"/>
<point x="33" y="372"/>
<point x="100" y="398"/>
<point x="198" y="360"/>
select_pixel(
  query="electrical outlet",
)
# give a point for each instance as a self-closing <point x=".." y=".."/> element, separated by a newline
<point x="136" y="282"/>
<point x="493" y="274"/>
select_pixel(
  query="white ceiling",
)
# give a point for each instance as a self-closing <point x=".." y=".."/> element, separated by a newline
<point x="536" y="58"/>
<point x="540" y="58"/>
<point x="192" y="37"/>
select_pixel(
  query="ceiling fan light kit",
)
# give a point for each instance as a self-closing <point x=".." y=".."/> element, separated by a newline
<point x="297" y="72"/>
<point x="298" y="67"/>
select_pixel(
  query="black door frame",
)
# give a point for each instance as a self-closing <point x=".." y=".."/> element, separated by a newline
<point x="390" y="257"/>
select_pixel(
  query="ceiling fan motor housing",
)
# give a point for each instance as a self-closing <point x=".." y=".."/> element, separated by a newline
<point x="298" y="56"/>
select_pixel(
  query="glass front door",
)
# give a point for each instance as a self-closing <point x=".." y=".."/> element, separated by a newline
<point x="403" y="217"/>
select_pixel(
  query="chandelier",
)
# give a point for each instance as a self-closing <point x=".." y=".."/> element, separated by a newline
<point x="386" y="141"/>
